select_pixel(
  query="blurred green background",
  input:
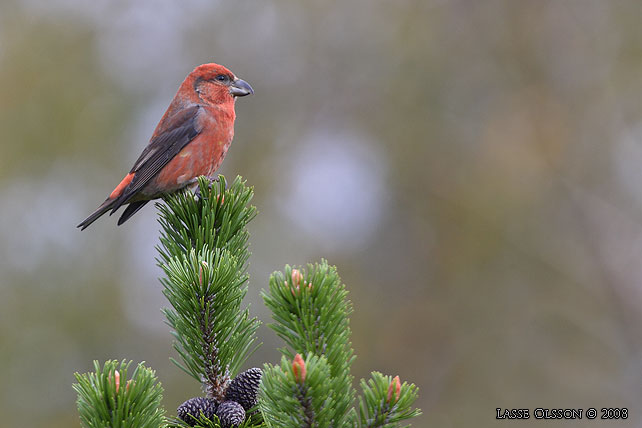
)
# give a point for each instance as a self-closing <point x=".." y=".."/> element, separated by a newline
<point x="472" y="168"/>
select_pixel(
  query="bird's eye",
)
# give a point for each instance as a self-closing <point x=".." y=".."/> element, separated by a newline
<point x="222" y="78"/>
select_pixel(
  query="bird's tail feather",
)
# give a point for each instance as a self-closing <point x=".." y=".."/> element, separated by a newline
<point x="102" y="209"/>
<point x="131" y="209"/>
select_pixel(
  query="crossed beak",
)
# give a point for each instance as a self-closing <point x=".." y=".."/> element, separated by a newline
<point x="240" y="88"/>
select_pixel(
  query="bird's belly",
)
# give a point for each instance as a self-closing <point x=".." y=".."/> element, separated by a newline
<point x="202" y="156"/>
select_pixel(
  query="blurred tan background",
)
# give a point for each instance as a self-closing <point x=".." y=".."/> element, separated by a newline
<point x="474" y="169"/>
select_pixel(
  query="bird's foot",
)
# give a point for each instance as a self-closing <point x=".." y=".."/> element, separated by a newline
<point x="193" y="185"/>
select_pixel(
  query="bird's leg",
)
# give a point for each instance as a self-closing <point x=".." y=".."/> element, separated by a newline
<point x="194" y="187"/>
<point x="212" y="180"/>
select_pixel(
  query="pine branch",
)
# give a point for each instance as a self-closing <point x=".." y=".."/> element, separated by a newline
<point x="107" y="399"/>
<point x="204" y="253"/>
<point x="386" y="402"/>
<point x="218" y="219"/>
<point x="311" y="311"/>
<point x="293" y="399"/>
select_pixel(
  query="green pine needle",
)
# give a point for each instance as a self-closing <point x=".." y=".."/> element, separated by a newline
<point x="380" y="406"/>
<point x="201" y="422"/>
<point x="110" y="400"/>
<point x="310" y="309"/>
<point x="204" y="254"/>
<point x="288" y="403"/>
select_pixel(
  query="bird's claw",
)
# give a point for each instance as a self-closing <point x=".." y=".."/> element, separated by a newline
<point x="197" y="189"/>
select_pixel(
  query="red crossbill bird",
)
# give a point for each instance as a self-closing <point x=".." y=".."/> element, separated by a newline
<point x="190" y="140"/>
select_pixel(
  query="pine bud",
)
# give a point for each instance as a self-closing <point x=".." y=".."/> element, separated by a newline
<point x="297" y="280"/>
<point x="191" y="410"/>
<point x="394" y="387"/>
<point x="117" y="379"/>
<point x="200" y="271"/>
<point x="244" y="388"/>
<point x="297" y="277"/>
<point x="298" y="367"/>
<point x="231" y="414"/>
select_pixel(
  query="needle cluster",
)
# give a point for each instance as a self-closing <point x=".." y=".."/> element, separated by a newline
<point x="312" y="387"/>
<point x="204" y="254"/>
<point x="108" y="397"/>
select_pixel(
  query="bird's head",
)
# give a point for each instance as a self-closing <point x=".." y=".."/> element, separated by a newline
<point x="216" y="84"/>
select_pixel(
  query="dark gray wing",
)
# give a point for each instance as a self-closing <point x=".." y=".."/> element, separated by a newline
<point x="180" y="130"/>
